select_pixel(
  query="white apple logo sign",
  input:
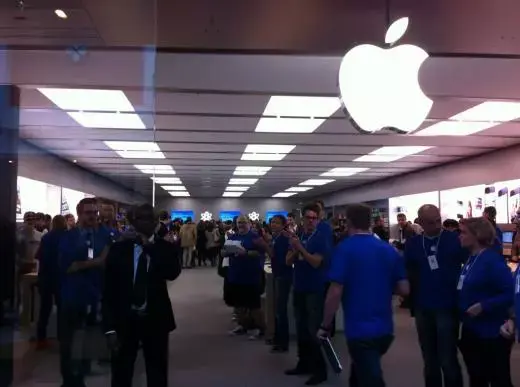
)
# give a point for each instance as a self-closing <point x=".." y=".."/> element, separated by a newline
<point x="380" y="87"/>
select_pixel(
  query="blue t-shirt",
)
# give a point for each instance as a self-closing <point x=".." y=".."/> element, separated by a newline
<point x="83" y="287"/>
<point x="278" y="261"/>
<point x="245" y="270"/>
<point x="48" y="271"/>
<point x="487" y="280"/>
<point x="369" y="270"/>
<point x="326" y="230"/>
<point x="497" y="245"/>
<point x="434" y="288"/>
<point x="307" y="278"/>
<point x="517" y="297"/>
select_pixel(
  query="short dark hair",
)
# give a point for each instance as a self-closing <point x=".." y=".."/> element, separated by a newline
<point x="59" y="223"/>
<point x="320" y="203"/>
<point x="282" y="218"/>
<point x="84" y="202"/>
<point x="401" y="215"/>
<point x="491" y="212"/>
<point x="290" y="215"/>
<point x="311" y="207"/>
<point x="359" y="216"/>
<point x="68" y="216"/>
<point x="163" y="215"/>
<point x="450" y="223"/>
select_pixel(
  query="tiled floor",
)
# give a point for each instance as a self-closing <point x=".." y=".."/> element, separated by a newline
<point x="202" y="355"/>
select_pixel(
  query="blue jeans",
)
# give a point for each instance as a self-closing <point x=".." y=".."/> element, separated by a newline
<point x="366" y="354"/>
<point x="438" y="333"/>
<point x="282" y="290"/>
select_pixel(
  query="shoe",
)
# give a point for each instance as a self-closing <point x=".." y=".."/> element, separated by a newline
<point x="299" y="370"/>
<point x="279" y="349"/>
<point x="255" y="334"/>
<point x="314" y="380"/>
<point x="238" y="331"/>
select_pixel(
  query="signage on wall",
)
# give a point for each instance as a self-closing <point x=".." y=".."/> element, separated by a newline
<point x="228" y="216"/>
<point x="270" y="214"/>
<point x="206" y="216"/>
<point x="183" y="214"/>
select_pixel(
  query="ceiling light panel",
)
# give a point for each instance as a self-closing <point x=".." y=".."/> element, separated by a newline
<point x="156" y="169"/>
<point x="179" y="194"/>
<point x="298" y="189"/>
<point x="237" y="188"/>
<point x="228" y="194"/>
<point x="88" y="99"/>
<point x="284" y="194"/>
<point x="251" y="171"/>
<point x="476" y="119"/>
<point x="316" y="182"/>
<point x="269" y="148"/>
<point x="235" y="181"/>
<point x="391" y="153"/>
<point x="135" y="149"/>
<point x="166" y="180"/>
<point x="173" y="188"/>
<point x="108" y="120"/>
<point x="343" y="172"/>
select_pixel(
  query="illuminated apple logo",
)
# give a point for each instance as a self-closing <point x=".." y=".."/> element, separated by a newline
<point x="380" y="87"/>
<point x="206" y="216"/>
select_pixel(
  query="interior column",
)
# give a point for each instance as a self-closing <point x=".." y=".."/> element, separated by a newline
<point x="9" y="136"/>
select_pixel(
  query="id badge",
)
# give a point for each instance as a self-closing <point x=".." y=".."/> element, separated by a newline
<point x="517" y="284"/>
<point x="225" y="262"/>
<point x="433" y="249"/>
<point x="90" y="254"/>
<point x="432" y="261"/>
<point x="461" y="282"/>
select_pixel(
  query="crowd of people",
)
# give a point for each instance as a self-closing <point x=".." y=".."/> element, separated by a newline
<point x="113" y="281"/>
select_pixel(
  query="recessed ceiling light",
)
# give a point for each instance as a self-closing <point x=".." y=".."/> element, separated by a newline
<point x="316" y="182"/>
<point x="237" y="188"/>
<point x="391" y="153"/>
<point x="136" y="149"/>
<point x="234" y="181"/>
<point x="311" y="113"/>
<point x="474" y="120"/>
<point x="298" y="189"/>
<point x="108" y="120"/>
<point x="228" y="194"/>
<point x="89" y="99"/>
<point x="173" y="187"/>
<point x="182" y="194"/>
<point x="269" y="148"/>
<point x="156" y="169"/>
<point x="60" y="13"/>
<point x="343" y="172"/>
<point x="166" y="180"/>
<point x="251" y="171"/>
<point x="284" y="194"/>
<point x="74" y="161"/>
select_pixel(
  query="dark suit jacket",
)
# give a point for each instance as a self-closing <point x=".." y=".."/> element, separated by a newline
<point x="119" y="282"/>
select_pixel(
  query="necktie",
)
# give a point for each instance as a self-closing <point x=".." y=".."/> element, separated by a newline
<point x="140" y="283"/>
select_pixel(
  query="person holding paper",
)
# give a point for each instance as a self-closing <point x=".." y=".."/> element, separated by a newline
<point x="245" y="278"/>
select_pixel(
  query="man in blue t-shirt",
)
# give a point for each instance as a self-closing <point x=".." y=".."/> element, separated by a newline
<point x="434" y="261"/>
<point x="82" y="253"/>
<point x="309" y="252"/>
<point x="365" y="272"/>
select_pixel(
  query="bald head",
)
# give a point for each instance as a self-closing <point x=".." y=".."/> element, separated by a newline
<point x="430" y="219"/>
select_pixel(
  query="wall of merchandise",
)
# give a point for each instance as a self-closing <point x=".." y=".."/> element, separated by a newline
<point x="463" y="202"/>
<point x="37" y="196"/>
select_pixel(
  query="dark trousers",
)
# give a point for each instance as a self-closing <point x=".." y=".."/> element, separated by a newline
<point x="282" y="290"/>
<point x="49" y="295"/>
<point x="487" y="360"/>
<point x="155" y="351"/>
<point x="438" y="333"/>
<point x="366" y="354"/>
<point x="74" y="362"/>
<point x="308" y="313"/>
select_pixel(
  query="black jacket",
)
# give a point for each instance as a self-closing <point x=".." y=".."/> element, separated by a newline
<point x="119" y="282"/>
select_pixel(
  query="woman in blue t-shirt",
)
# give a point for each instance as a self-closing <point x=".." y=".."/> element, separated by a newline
<point x="245" y="282"/>
<point x="485" y="297"/>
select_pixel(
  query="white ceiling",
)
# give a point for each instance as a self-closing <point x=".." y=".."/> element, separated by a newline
<point x="204" y="106"/>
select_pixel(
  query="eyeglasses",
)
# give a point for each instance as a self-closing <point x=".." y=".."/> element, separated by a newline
<point x="311" y="217"/>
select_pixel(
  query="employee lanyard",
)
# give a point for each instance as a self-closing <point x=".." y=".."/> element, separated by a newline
<point x="436" y="246"/>
<point x="275" y="238"/>
<point x="304" y="242"/>
<point x="468" y="266"/>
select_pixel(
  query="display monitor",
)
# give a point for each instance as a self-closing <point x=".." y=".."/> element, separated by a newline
<point x="182" y="214"/>
<point x="226" y="216"/>
<point x="270" y="214"/>
<point x="507" y="237"/>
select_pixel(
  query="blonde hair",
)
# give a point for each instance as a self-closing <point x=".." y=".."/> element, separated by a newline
<point x="481" y="229"/>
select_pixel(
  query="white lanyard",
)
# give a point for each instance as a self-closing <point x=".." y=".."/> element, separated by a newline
<point x="467" y="267"/>
<point x="436" y="246"/>
<point x="306" y="241"/>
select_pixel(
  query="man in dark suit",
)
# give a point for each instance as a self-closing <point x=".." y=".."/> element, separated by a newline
<point x="136" y="306"/>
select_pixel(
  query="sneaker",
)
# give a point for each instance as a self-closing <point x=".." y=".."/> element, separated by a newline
<point x="255" y="334"/>
<point x="238" y="331"/>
